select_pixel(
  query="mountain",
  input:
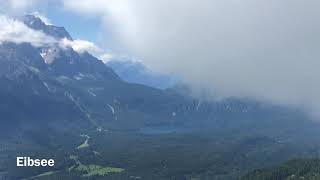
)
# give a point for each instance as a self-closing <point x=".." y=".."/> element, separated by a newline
<point x="58" y="103"/>
<point x="37" y="24"/>
<point x="136" y="72"/>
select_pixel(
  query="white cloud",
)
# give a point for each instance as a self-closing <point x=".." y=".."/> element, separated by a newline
<point x="82" y="46"/>
<point x="105" y="57"/>
<point x="266" y="49"/>
<point x="12" y="30"/>
<point x="19" y="6"/>
<point x="43" y="18"/>
<point x="15" y="31"/>
<point x="88" y="7"/>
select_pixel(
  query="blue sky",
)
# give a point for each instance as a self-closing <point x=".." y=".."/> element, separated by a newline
<point x="78" y="26"/>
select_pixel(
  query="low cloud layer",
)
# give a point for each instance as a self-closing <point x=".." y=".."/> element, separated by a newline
<point x="12" y="30"/>
<point x="20" y="6"/>
<point x="268" y="49"/>
<point x="261" y="49"/>
<point x="82" y="46"/>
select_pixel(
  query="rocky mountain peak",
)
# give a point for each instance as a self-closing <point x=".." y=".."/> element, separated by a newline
<point x="37" y="24"/>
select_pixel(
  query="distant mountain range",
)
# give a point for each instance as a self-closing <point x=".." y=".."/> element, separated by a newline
<point x="136" y="72"/>
<point x="51" y="95"/>
<point x="54" y="82"/>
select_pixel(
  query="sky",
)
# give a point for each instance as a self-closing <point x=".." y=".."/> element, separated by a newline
<point x="268" y="50"/>
<point x="58" y="15"/>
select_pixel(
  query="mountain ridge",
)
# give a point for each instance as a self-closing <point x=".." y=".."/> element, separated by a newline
<point x="52" y="97"/>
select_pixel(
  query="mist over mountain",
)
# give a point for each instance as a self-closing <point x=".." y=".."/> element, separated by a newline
<point x="266" y="50"/>
<point x="60" y="101"/>
<point x="229" y="47"/>
<point x="136" y="72"/>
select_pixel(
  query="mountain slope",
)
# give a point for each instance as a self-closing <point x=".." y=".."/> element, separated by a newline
<point x="56" y="102"/>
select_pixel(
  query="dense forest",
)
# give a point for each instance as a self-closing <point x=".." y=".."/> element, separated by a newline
<point x="293" y="170"/>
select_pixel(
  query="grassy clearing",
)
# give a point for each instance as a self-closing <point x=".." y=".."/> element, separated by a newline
<point x="83" y="145"/>
<point x="96" y="170"/>
<point x="92" y="170"/>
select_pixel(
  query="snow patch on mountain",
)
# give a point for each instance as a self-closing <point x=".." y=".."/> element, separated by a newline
<point x="50" y="54"/>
